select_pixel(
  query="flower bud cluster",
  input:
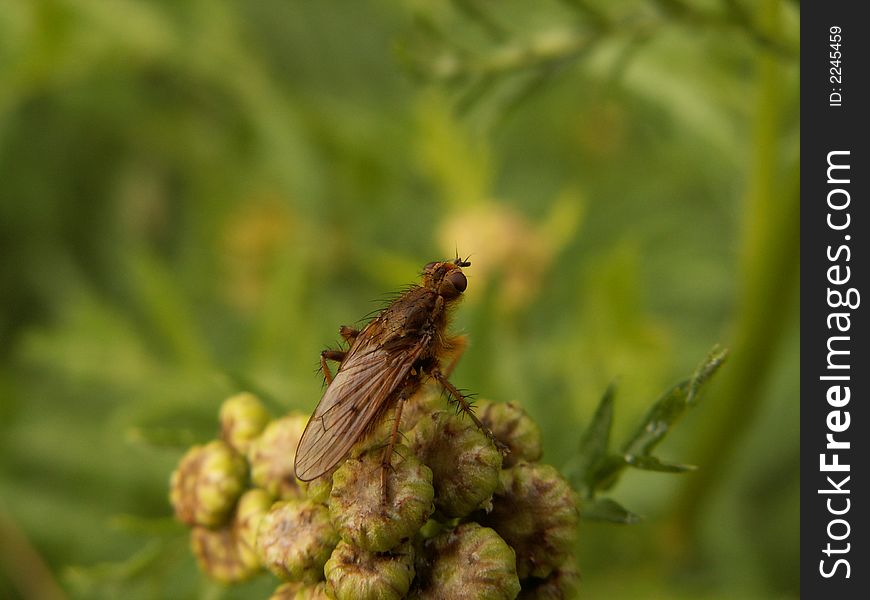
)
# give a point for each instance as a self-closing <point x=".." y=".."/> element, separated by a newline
<point x="458" y="519"/>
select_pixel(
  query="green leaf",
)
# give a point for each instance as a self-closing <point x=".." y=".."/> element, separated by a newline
<point x="595" y="469"/>
<point x="91" y="577"/>
<point x="595" y="442"/>
<point x="606" y="473"/>
<point x="608" y="510"/>
<point x="608" y="470"/>
<point x="651" y="463"/>
<point x="705" y="371"/>
<point x="671" y="406"/>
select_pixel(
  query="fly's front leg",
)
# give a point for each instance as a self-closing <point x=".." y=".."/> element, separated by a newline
<point x="336" y="355"/>
<point x="349" y="334"/>
<point x="457" y="396"/>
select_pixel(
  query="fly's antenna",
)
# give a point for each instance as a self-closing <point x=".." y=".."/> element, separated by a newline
<point x="460" y="262"/>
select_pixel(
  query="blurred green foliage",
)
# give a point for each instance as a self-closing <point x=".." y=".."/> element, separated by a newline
<point x="195" y="195"/>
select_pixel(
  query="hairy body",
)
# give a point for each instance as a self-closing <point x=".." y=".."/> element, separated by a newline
<point x="386" y="364"/>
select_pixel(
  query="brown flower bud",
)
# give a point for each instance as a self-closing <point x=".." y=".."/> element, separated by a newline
<point x="355" y="574"/>
<point x="252" y="507"/>
<point x="422" y="404"/>
<point x="227" y="554"/>
<point x="535" y="511"/>
<point x="465" y="464"/>
<point x="295" y="539"/>
<point x="356" y="502"/>
<point x="217" y="553"/>
<point x="293" y="590"/>
<point x="469" y="562"/>
<point x="272" y="455"/>
<point x="560" y="584"/>
<point x="205" y="486"/>
<point x="512" y="426"/>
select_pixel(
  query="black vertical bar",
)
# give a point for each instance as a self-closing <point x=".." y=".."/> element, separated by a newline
<point x="834" y="264"/>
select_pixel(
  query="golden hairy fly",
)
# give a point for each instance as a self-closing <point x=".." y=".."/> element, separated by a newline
<point x="385" y="364"/>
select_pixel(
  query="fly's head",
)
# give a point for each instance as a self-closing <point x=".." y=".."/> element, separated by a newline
<point x="446" y="277"/>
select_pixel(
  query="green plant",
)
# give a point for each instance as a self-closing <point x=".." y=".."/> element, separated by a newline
<point x="461" y="519"/>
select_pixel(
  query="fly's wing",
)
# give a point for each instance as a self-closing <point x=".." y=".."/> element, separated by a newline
<point x="368" y="376"/>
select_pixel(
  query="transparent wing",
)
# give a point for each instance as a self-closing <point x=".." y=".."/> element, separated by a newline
<point x="368" y="376"/>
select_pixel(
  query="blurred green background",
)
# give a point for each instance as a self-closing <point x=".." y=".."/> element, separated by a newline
<point x="195" y="195"/>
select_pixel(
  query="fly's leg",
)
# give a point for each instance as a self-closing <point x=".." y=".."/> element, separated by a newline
<point x="386" y="460"/>
<point x="457" y="396"/>
<point x="336" y="355"/>
<point x="349" y="334"/>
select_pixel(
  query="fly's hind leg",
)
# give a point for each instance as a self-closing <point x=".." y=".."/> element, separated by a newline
<point x="387" y="459"/>
<point x="457" y="396"/>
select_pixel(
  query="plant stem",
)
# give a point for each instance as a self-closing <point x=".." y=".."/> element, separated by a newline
<point x="769" y="275"/>
<point x="25" y="568"/>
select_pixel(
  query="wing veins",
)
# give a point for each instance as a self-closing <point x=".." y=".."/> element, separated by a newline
<point x="345" y="417"/>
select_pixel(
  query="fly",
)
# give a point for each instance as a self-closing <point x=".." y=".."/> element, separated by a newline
<point x="385" y="364"/>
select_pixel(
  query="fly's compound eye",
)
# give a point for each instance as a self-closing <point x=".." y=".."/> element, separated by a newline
<point x="458" y="281"/>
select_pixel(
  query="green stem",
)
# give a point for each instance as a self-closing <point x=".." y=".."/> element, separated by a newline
<point x="23" y="565"/>
<point x="769" y="275"/>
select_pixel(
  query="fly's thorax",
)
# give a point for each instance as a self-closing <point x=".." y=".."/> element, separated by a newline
<point x="410" y="314"/>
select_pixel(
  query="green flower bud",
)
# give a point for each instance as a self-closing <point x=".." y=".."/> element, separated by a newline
<point x="512" y="426"/>
<point x="561" y="584"/>
<point x="217" y="552"/>
<point x="536" y="513"/>
<point x="252" y="507"/>
<point x="433" y="527"/>
<point x="468" y="562"/>
<point x="356" y="502"/>
<point x="228" y="554"/>
<point x="295" y="540"/>
<point x="422" y="404"/>
<point x="318" y="490"/>
<point x="300" y="591"/>
<point x="355" y="574"/>
<point x="206" y="484"/>
<point x="272" y="456"/>
<point x="242" y="419"/>
<point x="465" y="464"/>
